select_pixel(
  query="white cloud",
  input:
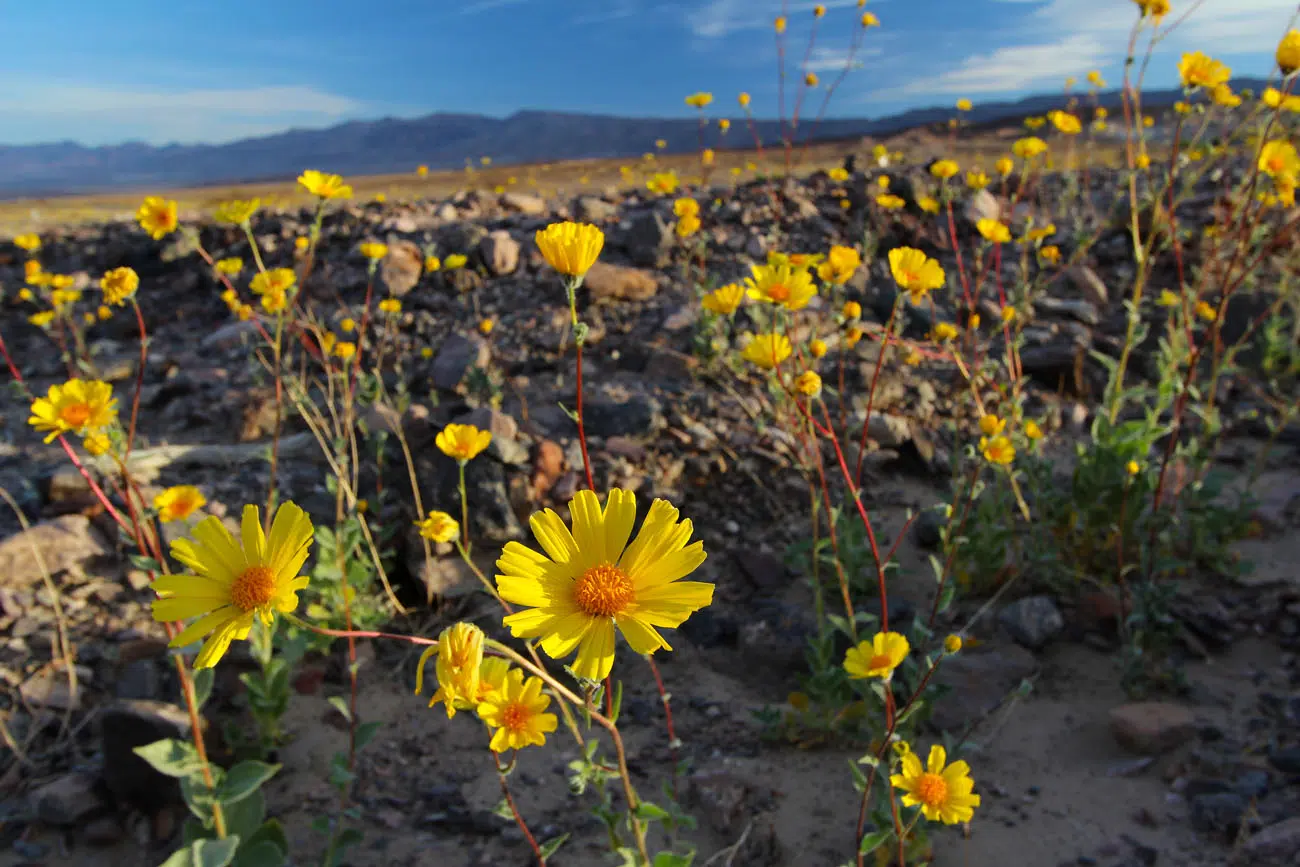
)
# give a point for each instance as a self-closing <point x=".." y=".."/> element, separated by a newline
<point x="1015" y="67"/>
<point x="833" y="59"/>
<point x="485" y="5"/>
<point x="42" y="110"/>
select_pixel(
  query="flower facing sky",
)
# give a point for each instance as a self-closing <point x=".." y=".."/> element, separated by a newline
<point x="943" y="791"/>
<point x="517" y="712"/>
<point x="77" y="406"/>
<point x="790" y="287"/>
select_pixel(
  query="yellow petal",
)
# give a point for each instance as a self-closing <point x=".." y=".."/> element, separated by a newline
<point x="553" y="536"/>
<point x="620" y="516"/>
<point x="668" y="568"/>
<point x="938" y="756"/>
<point x="588" y="531"/>
<point x="254" y="540"/>
<point x="203" y="626"/>
<point x="290" y="543"/>
<point x="641" y="636"/>
<point x="596" y="653"/>
<point x="185" y="607"/>
<point x="566" y="633"/>
<point x="198" y="586"/>
<point x="215" y="647"/>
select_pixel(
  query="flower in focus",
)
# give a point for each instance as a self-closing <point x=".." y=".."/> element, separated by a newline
<point x="178" y="502"/>
<point x="994" y="231"/>
<point x="1200" y="70"/>
<point x="230" y="267"/>
<point x="118" y="285"/>
<point x="990" y="424"/>
<point x="699" y="100"/>
<point x="373" y="250"/>
<point x="944" y="794"/>
<point x="237" y="212"/>
<point x="817" y="347"/>
<point x="77" y="406"/>
<point x="1288" y="52"/>
<point x="325" y="186"/>
<point x="852" y="310"/>
<point x="230" y="584"/>
<point x="964" y="104"/>
<point x="1206" y="311"/>
<point x="460" y="660"/>
<point x="944" y="169"/>
<point x="591" y="581"/>
<point x="157" y="217"/>
<point x="766" y="351"/>
<point x="517" y="711"/>
<point x="877" y="657"/>
<point x="462" y="441"/>
<point x="454" y="261"/>
<point x="1032" y="430"/>
<point x="570" y="248"/>
<point x="997" y="450"/>
<point x="390" y="306"/>
<point x="915" y="272"/>
<point x="1065" y="122"/>
<point x="1029" y="147"/>
<point x="28" y="241"/>
<point x="808" y="383"/>
<point x="724" y="300"/>
<point x="788" y="286"/>
<point x="274" y="282"/>
<point x="840" y="265"/>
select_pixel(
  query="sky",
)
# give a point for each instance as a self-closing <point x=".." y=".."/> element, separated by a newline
<point x="102" y="72"/>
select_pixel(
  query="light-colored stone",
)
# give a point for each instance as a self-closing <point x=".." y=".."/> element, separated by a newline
<point x="1089" y="285"/>
<point x="616" y="282"/>
<point x="1274" y="846"/>
<point x="1151" y="727"/>
<point x="67" y="800"/>
<point x="500" y="252"/>
<point x="889" y="431"/>
<point x="64" y="543"/>
<point x="402" y="266"/>
<point x="982" y="205"/>
<point x="524" y="203"/>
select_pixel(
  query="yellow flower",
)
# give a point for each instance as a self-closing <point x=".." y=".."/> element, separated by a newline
<point x="1035" y="122"/>
<point x="432" y="263"/>
<point x="390" y="305"/>
<point x="485" y="161"/>
<point x="1156" y="9"/>
<point x="229" y="584"/>
<point x="663" y="183"/>
<point x="915" y="272"/>
<point x="810" y="79"/>
<point x="244" y="312"/>
<point x="570" y="248"/>
<point x="808" y="383"/>
<point x="517" y="711"/>
<point x="77" y="406"/>
<point x="157" y="217"/>
<point x="104" y="313"/>
<point x="944" y="169"/>
<point x="944" y="331"/>
<point x="325" y="186"/>
<point x="997" y="449"/>
<point x="852" y="310"/>
<point x="977" y="180"/>
<point x="792" y="288"/>
<point x="28" y="241"/>
<point x="119" y="285"/>
<point x="1277" y="158"/>
<point x="1142" y="161"/>
<point x="1167" y="299"/>
<point x="591" y="581"/>
<point x="1032" y="430"/>
<point x="237" y="212"/>
<point x="345" y="349"/>
<point x="274" y="282"/>
<point x="454" y="261"/>
<point x="944" y="794"/>
<point x="373" y="250"/>
<point x="460" y="662"/>
<point x="724" y="300"/>
<point x="1029" y="147"/>
<point x="743" y="99"/>
<point x="347" y="325"/>
<point x="1132" y="468"/>
<point x="779" y="24"/>
<point x="274" y="302"/>
<point x="462" y="441"/>
<point x="952" y="644"/>
<point x="230" y="267"/>
<point x="870" y="20"/>
<point x="817" y="347"/>
<point x="964" y="105"/>
<point x="25" y="294"/>
<point x="1223" y="96"/>
<point x="929" y="204"/>
<point x="31" y="268"/>
<point x="1288" y="52"/>
<point x="687" y="226"/>
<point x="1008" y="314"/>
<point x="97" y="444"/>
<point x="1199" y="70"/>
<point x="699" y="100"/>
<point x="301" y="243"/>
<point x="1206" y="311"/>
<point x="1065" y="122"/>
<point x="877" y="657"/>
<point x="840" y="265"/>
<point x="819" y="10"/>
<point x="766" y="351"/>
<point x="1182" y="107"/>
<point x="686" y="207"/>
<point x="1050" y="254"/>
<point x="485" y="326"/>
<point x="426" y="352"/>
<point x="991" y="424"/>
<point x="839" y="174"/>
<point x="1095" y="79"/>
<point x="178" y="502"/>
<point x="327" y="341"/>
<point x="890" y="202"/>
<point x="852" y="336"/>
<point x="994" y="231"/>
<point x="422" y="171"/>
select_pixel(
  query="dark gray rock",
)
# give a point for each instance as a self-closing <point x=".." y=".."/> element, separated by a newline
<point x="68" y="800"/>
<point x="1032" y="621"/>
<point x="127" y="724"/>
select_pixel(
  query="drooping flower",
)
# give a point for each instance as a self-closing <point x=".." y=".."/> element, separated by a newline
<point x="325" y="186"/>
<point x="517" y="710"/>
<point x="460" y="660"/>
<point x="790" y="287"/>
<point x="178" y="502"/>
<point x="877" y="657"/>
<point x="591" y="581"/>
<point x="463" y="442"/>
<point x="237" y="212"/>
<point x="439" y="527"/>
<point x="77" y="406"/>
<point x="915" y="272"/>
<point x="1197" y="69"/>
<point x="944" y="794"/>
<point x="994" y="231"/>
<point x="231" y="583"/>
<point x="766" y="351"/>
<point x="570" y="248"/>
<point x="157" y="216"/>
<point x="119" y="285"/>
<point x="724" y="300"/>
<point x="1288" y="52"/>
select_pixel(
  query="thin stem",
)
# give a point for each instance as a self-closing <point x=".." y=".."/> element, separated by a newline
<point x="514" y="811"/>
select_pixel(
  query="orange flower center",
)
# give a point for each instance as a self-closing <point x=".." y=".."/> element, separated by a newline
<point x="931" y="790"/>
<point x="182" y="506"/>
<point x="75" y="414"/>
<point x="254" y="588"/>
<point x="603" y="591"/>
<point x="1276" y="165"/>
<point x="879" y="661"/>
<point x="910" y="279"/>
<point x="778" y="292"/>
<point x="514" y="717"/>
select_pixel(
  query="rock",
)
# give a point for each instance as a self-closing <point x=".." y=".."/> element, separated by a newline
<point x="401" y="268"/>
<point x="1274" y="845"/>
<point x="1151" y="727"/>
<point x="636" y="416"/>
<point x="1076" y="308"/>
<point x="524" y="203"/>
<point x="456" y="357"/>
<point x="68" y="800"/>
<point x="1089" y="285"/>
<point x="774" y="645"/>
<point x="125" y="725"/>
<point x="982" y="205"/>
<point x="618" y="283"/>
<point x="548" y="465"/>
<point x="505" y="445"/>
<point x="648" y="239"/>
<point x="104" y="831"/>
<point x="1286" y="760"/>
<point x="1217" y="811"/>
<point x="594" y="210"/>
<point x="61" y="544"/>
<point x="889" y="431"/>
<point x="1032" y="621"/>
<point x="978" y="680"/>
<point x="500" y="252"/>
<point x="230" y="335"/>
<point x="682" y="318"/>
<point x="257" y="415"/>
<point x="706" y="629"/>
<point x="69" y="490"/>
<point x="725" y="800"/>
<point x="927" y="528"/>
<point x="446" y="577"/>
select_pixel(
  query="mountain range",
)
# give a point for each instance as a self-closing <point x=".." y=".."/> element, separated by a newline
<point x="441" y="141"/>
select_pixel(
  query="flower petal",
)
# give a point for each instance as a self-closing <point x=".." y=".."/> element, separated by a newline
<point x="254" y="540"/>
<point x="290" y="542"/>
<point x="620" y="516"/>
<point x="641" y="636"/>
<point x="938" y="756"/>
<point x="669" y="568"/>
<point x="198" y="586"/>
<point x="596" y="653"/>
<point x="588" y="531"/>
<point x="553" y="536"/>
<point x="203" y="625"/>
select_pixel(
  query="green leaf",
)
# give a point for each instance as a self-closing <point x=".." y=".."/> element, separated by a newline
<point x="273" y="832"/>
<point x="651" y="812"/>
<point x="214" y="853"/>
<point x="503" y="810"/>
<point x="244" y="779"/>
<point x="203" y="680"/>
<point x="171" y="757"/>
<point x="245" y="817"/>
<point x="341" y="705"/>
<point x="672" y="859"/>
<point x="366" y="733"/>
<point x="859" y="778"/>
<point x="551" y="846"/>
<point x="261" y="854"/>
<point x="342" y="841"/>
<point x="874" y="841"/>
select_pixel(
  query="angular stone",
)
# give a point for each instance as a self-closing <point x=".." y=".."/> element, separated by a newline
<point x="983" y="205"/>
<point x="68" y="800"/>
<point x="127" y="724"/>
<point x="1151" y="727"/>
<point x="505" y="445"/>
<point x="456" y="357"/>
<point x="1032" y="621"/>
<point x="524" y="203"/>
<point x="616" y="282"/>
<point x="594" y="210"/>
<point x="402" y="267"/>
<point x="1088" y="284"/>
<point x="62" y="544"/>
<point x="648" y="239"/>
<point x="500" y="252"/>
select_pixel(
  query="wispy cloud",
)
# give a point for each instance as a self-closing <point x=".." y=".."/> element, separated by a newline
<point x="485" y="5"/>
<point x="1014" y="67"/>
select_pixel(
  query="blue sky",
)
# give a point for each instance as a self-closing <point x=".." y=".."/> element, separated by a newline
<point x="105" y="72"/>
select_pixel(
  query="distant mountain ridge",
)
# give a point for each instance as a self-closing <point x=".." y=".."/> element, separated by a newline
<point x="441" y="141"/>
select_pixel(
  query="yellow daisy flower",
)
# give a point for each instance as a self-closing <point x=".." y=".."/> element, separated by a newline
<point x="373" y="250"/>
<point x="157" y="217"/>
<point x="439" y="527"/>
<point x="877" y="657"/>
<point x="570" y="248"/>
<point x="790" y="287"/>
<point x="942" y="793"/>
<point x="517" y="712"/>
<point x="915" y="272"/>
<point x="997" y="450"/>
<point x="324" y="186"/>
<point x="178" y="502"/>
<point x="767" y="351"/>
<point x="77" y="406"/>
<point x="119" y="285"/>
<point x="724" y="300"/>
<point x="808" y="383"/>
<point x="462" y="441"/>
<point x="460" y="658"/>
